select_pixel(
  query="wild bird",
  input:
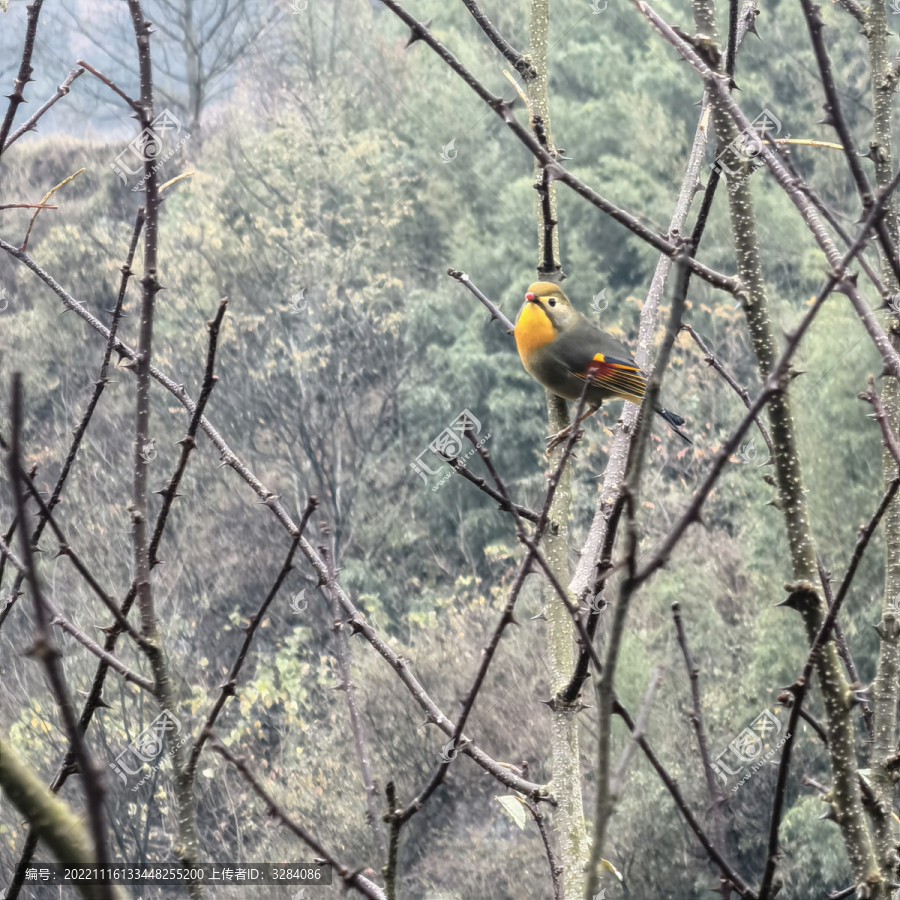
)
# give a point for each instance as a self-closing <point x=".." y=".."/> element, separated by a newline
<point x="561" y="349"/>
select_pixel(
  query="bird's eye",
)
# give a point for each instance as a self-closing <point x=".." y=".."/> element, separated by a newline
<point x="552" y="302"/>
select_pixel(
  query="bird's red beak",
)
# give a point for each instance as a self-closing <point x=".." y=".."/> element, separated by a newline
<point x="530" y="297"/>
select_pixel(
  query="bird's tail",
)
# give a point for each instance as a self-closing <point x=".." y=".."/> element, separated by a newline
<point x="674" y="422"/>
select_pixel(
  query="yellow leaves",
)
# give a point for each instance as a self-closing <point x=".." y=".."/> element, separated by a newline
<point x="515" y="808"/>
<point x="606" y="864"/>
<point x="204" y="662"/>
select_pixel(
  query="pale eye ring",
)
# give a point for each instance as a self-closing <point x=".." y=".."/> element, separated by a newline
<point x="551" y="302"/>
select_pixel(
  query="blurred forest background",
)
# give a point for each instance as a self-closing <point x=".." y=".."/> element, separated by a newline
<point x="316" y="145"/>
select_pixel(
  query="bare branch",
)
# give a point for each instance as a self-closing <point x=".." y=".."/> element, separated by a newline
<point x="492" y="308"/>
<point x="41" y="206"/>
<point x="617" y="781"/>
<point x="741" y="886"/>
<point x="715" y="795"/>
<point x="99" y="385"/>
<point x="348" y="879"/>
<point x="778" y="373"/>
<point x="25" y="71"/>
<point x="711" y="360"/>
<point x="546" y="159"/>
<point x="269" y="499"/>
<point x="715" y="83"/>
<point x="555" y="869"/>
<point x="31" y="123"/>
<point x="518" y="61"/>
<point x="227" y="688"/>
<point x="855" y="9"/>
<point x="112" y="86"/>
<point x="46" y="651"/>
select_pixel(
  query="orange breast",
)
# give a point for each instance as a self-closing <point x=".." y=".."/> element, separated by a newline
<point x="533" y="332"/>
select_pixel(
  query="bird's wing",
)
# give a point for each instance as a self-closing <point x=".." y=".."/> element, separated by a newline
<point x="588" y="352"/>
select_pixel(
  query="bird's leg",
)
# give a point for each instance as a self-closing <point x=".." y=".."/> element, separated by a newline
<point x="556" y="439"/>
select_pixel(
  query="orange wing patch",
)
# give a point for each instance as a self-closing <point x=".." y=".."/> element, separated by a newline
<point x="617" y="376"/>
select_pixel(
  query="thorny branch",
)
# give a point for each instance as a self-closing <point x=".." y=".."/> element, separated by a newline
<point x="713" y="362"/>
<point x="696" y="717"/>
<point x="25" y="71"/>
<point x="348" y="879"/>
<point x="546" y="159"/>
<point x="31" y="123"/>
<point x="46" y="651"/>
<point x="227" y="688"/>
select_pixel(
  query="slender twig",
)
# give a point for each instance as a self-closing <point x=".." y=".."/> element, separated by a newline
<point x="482" y="485"/>
<point x="519" y="62"/>
<point x="814" y="723"/>
<point x="189" y="441"/>
<point x="348" y="879"/>
<point x="586" y="641"/>
<point x="40" y="206"/>
<point x="778" y="373"/>
<point x="863" y="538"/>
<point x="585" y="634"/>
<point x="693" y="670"/>
<point x="731" y="49"/>
<point x="227" y="688"/>
<point x="716" y="84"/>
<point x="99" y="385"/>
<point x="850" y="891"/>
<point x="492" y="307"/>
<point x="555" y="869"/>
<point x="887" y="434"/>
<point x="799" y="689"/>
<point x="46" y="651"/>
<point x="71" y="628"/>
<point x="31" y="123"/>
<point x="272" y="502"/>
<point x="66" y="549"/>
<point x="711" y="360"/>
<point x="617" y="779"/>
<point x="398" y="818"/>
<point x="7" y="538"/>
<point x="25" y="71"/>
<point x="112" y="661"/>
<point x="357" y="728"/>
<point x="746" y="892"/>
<point x="557" y="172"/>
<point x="112" y="86"/>
<point x="835" y="117"/>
